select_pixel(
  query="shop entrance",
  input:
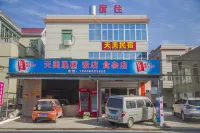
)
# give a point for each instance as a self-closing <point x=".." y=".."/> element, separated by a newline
<point x="106" y="92"/>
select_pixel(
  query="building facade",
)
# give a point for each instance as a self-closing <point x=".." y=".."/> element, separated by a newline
<point x="166" y="53"/>
<point x="186" y="74"/>
<point x="105" y="54"/>
<point x="87" y="32"/>
<point x="14" y="42"/>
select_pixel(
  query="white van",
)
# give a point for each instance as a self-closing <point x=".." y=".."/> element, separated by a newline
<point x="129" y="109"/>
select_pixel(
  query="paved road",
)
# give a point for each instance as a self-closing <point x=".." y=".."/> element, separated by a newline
<point x="93" y="132"/>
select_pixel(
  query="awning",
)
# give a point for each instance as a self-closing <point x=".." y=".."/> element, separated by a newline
<point x="80" y="76"/>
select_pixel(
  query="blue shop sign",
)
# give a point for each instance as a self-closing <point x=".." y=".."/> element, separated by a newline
<point x="64" y="66"/>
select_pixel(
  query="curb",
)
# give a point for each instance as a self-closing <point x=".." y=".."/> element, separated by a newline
<point x="9" y="120"/>
<point x="102" y="129"/>
<point x="83" y="129"/>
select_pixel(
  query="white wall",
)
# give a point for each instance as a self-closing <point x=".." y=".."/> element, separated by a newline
<point x="54" y="48"/>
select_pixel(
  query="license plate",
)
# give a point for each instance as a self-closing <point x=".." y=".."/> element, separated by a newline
<point x="43" y="115"/>
<point x="198" y="108"/>
<point x="113" y="112"/>
<point x="112" y="117"/>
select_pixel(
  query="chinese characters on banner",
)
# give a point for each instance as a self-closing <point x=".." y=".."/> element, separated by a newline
<point x="1" y="92"/>
<point x="159" y="111"/>
<point x="85" y="66"/>
<point x="142" y="89"/>
<point x="118" y="45"/>
<point x="103" y="8"/>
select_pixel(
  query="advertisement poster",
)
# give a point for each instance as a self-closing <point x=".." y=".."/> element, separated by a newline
<point x="62" y="66"/>
<point x="159" y="111"/>
<point x="1" y="93"/>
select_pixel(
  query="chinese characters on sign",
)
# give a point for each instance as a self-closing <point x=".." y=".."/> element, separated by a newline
<point x="103" y="8"/>
<point x="118" y="45"/>
<point x="1" y="92"/>
<point x="63" y="66"/>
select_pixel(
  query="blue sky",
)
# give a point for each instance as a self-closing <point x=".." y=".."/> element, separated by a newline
<point x="172" y="21"/>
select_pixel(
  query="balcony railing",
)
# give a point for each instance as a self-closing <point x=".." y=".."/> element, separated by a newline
<point x="32" y="52"/>
<point x="23" y="51"/>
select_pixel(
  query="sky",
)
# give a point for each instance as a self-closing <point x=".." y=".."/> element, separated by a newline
<point x="171" y="21"/>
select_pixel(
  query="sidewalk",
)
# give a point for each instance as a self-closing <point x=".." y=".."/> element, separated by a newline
<point x="177" y="124"/>
<point x="25" y="123"/>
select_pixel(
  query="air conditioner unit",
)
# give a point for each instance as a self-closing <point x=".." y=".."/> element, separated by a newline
<point x="67" y="42"/>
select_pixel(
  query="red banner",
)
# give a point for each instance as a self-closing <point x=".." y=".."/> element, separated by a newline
<point x="1" y="92"/>
<point x="118" y="45"/>
<point x="142" y="89"/>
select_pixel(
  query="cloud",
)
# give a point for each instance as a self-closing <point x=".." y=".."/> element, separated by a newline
<point x="67" y="5"/>
<point x="10" y="1"/>
<point x="34" y="12"/>
<point x="113" y="1"/>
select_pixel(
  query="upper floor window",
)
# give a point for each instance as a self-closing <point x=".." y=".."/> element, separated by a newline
<point x="117" y="32"/>
<point x="118" y="55"/>
<point x="66" y="35"/>
<point x="169" y="58"/>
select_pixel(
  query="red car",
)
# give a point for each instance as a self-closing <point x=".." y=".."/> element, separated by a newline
<point x="47" y="109"/>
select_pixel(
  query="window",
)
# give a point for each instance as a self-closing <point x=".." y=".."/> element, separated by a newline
<point x="33" y="43"/>
<point x="126" y="55"/>
<point x="115" y="103"/>
<point x="130" y="104"/>
<point x="117" y="32"/>
<point x="117" y="55"/>
<point x="132" y="55"/>
<point x="66" y="35"/>
<point x="140" y="103"/>
<point x="169" y="58"/>
<point x="188" y="78"/>
<point x="169" y="76"/>
<point x="196" y="73"/>
<point x="138" y="56"/>
<point x="91" y="55"/>
<point x="148" y="103"/>
<point x="108" y="55"/>
<point x="102" y="55"/>
<point x="114" y="55"/>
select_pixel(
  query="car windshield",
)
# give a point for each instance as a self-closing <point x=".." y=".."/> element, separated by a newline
<point x="115" y="103"/>
<point x="194" y="102"/>
<point x="44" y="106"/>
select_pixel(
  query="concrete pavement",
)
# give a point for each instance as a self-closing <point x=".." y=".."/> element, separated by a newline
<point x="177" y="124"/>
<point x="25" y="123"/>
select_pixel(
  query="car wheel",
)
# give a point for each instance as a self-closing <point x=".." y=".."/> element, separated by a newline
<point x="182" y="116"/>
<point x="173" y="113"/>
<point x="112" y="123"/>
<point x="130" y="122"/>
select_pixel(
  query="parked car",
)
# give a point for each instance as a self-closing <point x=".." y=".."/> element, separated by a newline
<point x="187" y="108"/>
<point x="47" y="109"/>
<point x="129" y="109"/>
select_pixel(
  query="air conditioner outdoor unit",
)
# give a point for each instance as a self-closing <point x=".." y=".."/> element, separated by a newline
<point x="67" y="42"/>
